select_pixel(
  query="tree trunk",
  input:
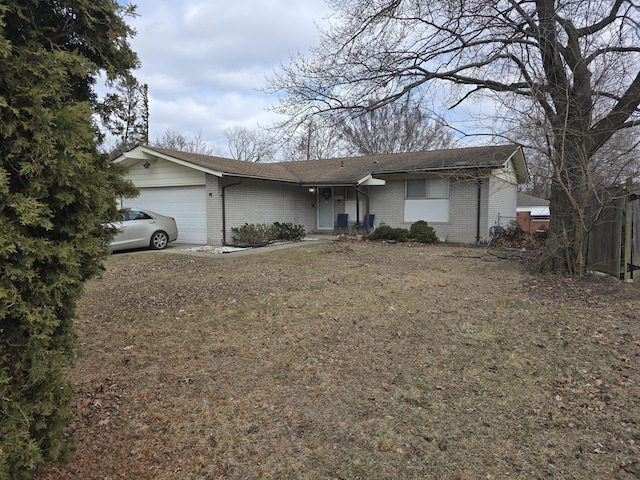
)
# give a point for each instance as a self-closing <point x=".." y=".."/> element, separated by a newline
<point x="568" y="204"/>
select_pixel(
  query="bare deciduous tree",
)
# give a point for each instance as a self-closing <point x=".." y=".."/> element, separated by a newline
<point x="315" y="139"/>
<point x="617" y="160"/>
<point x="250" y="145"/>
<point x="402" y="126"/>
<point x="578" y="61"/>
<point x="394" y="128"/>
<point x="172" y="140"/>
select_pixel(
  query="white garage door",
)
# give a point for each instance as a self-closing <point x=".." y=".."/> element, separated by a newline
<point x="186" y="204"/>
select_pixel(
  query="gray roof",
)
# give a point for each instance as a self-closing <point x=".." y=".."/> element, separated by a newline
<point x="525" y="200"/>
<point x="228" y="166"/>
<point x="352" y="170"/>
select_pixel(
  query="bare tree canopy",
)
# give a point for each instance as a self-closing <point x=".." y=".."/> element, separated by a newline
<point x="180" y="142"/>
<point x="402" y="126"/>
<point x="577" y="61"/>
<point x="250" y="145"/>
<point x="315" y="139"/>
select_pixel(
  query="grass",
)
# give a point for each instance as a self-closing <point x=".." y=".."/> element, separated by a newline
<point x="353" y="360"/>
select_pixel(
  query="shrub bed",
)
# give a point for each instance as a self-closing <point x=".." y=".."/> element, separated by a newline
<point x="257" y="233"/>
<point x="420" y="232"/>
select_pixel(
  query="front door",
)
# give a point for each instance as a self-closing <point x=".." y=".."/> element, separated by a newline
<point x="325" y="208"/>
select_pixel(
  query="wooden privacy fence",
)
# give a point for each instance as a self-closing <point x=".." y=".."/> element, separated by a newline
<point x="613" y="239"/>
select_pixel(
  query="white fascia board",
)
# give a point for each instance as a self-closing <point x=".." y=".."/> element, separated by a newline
<point x="534" y="211"/>
<point x="135" y="154"/>
<point x="140" y="153"/>
<point x="519" y="165"/>
<point x="369" y="180"/>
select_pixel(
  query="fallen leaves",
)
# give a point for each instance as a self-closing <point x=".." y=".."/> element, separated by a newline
<point x="353" y="363"/>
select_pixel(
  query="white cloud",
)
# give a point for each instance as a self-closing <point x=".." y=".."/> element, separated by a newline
<point x="205" y="61"/>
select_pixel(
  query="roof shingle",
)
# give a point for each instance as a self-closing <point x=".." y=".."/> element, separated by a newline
<point x="351" y="170"/>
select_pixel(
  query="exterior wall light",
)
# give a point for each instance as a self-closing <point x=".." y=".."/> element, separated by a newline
<point x="146" y="164"/>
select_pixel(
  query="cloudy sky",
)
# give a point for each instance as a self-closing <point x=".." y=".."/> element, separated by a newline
<point x="205" y="60"/>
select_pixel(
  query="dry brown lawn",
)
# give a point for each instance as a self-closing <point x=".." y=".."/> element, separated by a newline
<point x="344" y="360"/>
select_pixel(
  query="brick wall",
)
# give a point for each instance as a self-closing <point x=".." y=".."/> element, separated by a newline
<point x="528" y="224"/>
<point x="214" y="211"/>
<point x="256" y="201"/>
<point x="387" y="203"/>
<point x="463" y="211"/>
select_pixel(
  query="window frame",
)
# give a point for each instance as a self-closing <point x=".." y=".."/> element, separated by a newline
<point x="427" y="188"/>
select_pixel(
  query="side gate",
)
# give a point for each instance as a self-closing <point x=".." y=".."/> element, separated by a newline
<point x="613" y="241"/>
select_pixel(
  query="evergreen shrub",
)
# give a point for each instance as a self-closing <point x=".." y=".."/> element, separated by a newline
<point x="252" y="233"/>
<point x="288" y="231"/>
<point x="387" y="232"/>
<point x="421" y="232"/>
<point x="256" y="233"/>
<point x="56" y="193"/>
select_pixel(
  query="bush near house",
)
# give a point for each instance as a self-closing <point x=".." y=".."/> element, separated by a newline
<point x="255" y="233"/>
<point x="420" y="232"/>
<point x="288" y="231"/>
<point x="251" y="234"/>
<point x="387" y="232"/>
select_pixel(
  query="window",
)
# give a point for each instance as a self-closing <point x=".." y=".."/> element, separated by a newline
<point x="427" y="188"/>
<point x="350" y="193"/>
<point x="137" y="215"/>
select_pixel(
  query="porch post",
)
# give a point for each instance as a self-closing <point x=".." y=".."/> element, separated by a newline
<point x="357" y="206"/>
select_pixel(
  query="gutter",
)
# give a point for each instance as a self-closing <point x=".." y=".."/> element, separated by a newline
<point x="224" y="214"/>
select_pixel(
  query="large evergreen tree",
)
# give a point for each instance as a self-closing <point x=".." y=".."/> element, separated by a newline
<point x="56" y="191"/>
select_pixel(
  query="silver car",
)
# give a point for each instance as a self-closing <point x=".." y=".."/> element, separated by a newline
<point x="144" y="229"/>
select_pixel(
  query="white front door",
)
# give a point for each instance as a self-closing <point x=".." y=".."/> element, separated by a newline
<point x="325" y="208"/>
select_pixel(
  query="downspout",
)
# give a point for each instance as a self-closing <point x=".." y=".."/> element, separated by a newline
<point x="224" y="214"/>
<point x="479" y="211"/>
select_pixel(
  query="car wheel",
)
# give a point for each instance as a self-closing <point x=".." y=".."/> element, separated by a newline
<point x="159" y="240"/>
